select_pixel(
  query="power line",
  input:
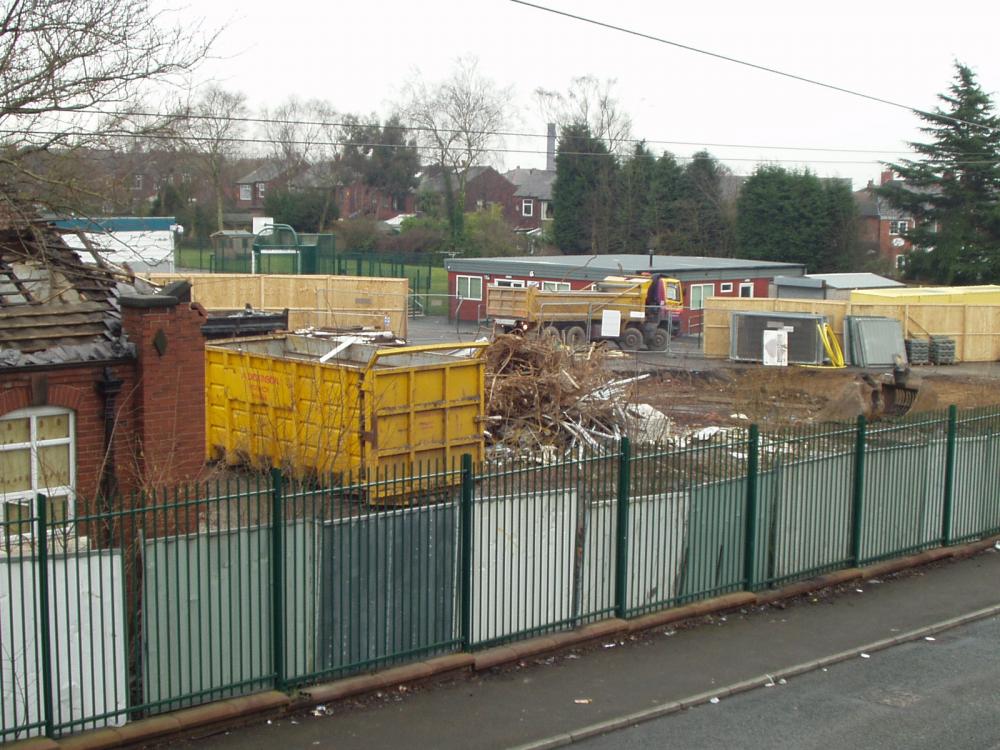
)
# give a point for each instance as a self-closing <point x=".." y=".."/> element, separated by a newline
<point x="425" y="149"/>
<point x="755" y="66"/>
<point x="500" y="133"/>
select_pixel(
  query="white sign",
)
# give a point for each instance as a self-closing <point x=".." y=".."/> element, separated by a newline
<point x="611" y="322"/>
<point x="259" y="222"/>
<point x="776" y="348"/>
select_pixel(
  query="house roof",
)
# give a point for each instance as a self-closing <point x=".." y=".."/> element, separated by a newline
<point x="432" y="179"/>
<point x="53" y="307"/>
<point x="264" y="173"/>
<point x="595" y="267"/>
<point x="532" y="183"/>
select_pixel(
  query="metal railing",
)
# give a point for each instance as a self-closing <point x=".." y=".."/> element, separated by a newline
<point x="257" y="582"/>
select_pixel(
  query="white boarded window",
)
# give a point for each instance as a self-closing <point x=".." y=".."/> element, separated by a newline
<point x="37" y="455"/>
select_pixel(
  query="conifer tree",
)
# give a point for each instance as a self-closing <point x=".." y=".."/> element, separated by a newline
<point x="953" y="188"/>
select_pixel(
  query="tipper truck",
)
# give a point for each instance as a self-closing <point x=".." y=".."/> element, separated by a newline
<point x="630" y="310"/>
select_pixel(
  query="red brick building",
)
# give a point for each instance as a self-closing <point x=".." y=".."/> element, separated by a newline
<point x="882" y="226"/>
<point x="470" y="279"/>
<point x="485" y="189"/>
<point x="101" y="392"/>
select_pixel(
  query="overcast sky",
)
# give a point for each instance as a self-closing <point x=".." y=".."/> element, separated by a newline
<point x="357" y="55"/>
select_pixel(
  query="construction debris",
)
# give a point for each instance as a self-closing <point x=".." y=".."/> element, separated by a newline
<point x="548" y="398"/>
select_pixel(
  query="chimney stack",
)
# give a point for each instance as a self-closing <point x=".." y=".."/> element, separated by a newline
<point x="886" y="177"/>
<point x="550" y="147"/>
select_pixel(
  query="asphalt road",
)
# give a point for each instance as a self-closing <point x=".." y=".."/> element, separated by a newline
<point x="940" y="693"/>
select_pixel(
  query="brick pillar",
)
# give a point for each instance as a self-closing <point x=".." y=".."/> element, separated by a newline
<point x="170" y="390"/>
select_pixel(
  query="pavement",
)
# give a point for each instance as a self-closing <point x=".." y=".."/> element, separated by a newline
<point x="550" y="700"/>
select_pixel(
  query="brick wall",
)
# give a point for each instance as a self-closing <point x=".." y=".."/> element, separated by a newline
<point x="169" y="401"/>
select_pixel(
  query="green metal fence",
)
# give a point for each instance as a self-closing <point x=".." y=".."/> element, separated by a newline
<point x="257" y="582"/>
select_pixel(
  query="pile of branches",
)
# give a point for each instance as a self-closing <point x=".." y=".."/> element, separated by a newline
<point x="543" y="396"/>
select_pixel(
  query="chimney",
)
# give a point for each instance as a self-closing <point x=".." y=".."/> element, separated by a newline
<point x="550" y="147"/>
<point x="886" y="176"/>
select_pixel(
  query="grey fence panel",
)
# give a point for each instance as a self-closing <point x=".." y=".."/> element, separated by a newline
<point x="207" y="612"/>
<point x="903" y="498"/>
<point x="87" y="633"/>
<point x="388" y="586"/>
<point x="977" y="486"/>
<point x="811" y="522"/>
<point x="713" y="553"/>
<point x="523" y="563"/>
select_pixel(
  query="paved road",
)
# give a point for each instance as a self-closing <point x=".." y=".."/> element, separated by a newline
<point x="935" y="694"/>
<point x="510" y="707"/>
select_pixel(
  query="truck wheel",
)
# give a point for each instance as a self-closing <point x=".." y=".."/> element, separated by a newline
<point x="575" y="336"/>
<point x="549" y="333"/>
<point x="631" y="339"/>
<point x="660" y="340"/>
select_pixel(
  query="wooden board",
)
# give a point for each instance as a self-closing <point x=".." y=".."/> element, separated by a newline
<point x="320" y="301"/>
<point x="975" y="328"/>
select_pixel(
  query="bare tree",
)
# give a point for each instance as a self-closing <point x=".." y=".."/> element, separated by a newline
<point x="458" y="123"/>
<point x="301" y="133"/>
<point x="213" y="127"/>
<point x="64" y="64"/>
<point x="591" y="102"/>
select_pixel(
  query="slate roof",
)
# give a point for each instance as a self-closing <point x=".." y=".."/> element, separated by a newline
<point x="264" y="173"/>
<point x="532" y="183"/>
<point x="53" y="306"/>
<point x="432" y="179"/>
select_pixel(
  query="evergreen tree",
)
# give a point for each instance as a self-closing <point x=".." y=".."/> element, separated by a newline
<point x="704" y="227"/>
<point x="634" y="193"/>
<point x="953" y="189"/>
<point x="795" y="217"/>
<point x="581" y="174"/>
<point x="662" y="207"/>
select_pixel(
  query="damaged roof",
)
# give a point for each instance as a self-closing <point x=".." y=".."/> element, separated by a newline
<point x="53" y="307"/>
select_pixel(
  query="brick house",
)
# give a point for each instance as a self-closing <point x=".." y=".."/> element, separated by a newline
<point x="533" y="197"/>
<point x="485" y="188"/>
<point x="101" y="387"/>
<point x="881" y="226"/>
<point x="250" y="191"/>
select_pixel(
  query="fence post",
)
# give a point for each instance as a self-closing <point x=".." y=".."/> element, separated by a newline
<point x="750" y="530"/>
<point x="949" y="477"/>
<point x="622" y="536"/>
<point x="465" y="521"/>
<point x="277" y="580"/>
<point x="44" y="616"/>
<point x="857" y="502"/>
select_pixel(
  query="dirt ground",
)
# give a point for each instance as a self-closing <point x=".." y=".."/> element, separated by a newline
<point x="773" y="397"/>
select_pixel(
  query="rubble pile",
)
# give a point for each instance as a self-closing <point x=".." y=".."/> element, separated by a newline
<point x="542" y="396"/>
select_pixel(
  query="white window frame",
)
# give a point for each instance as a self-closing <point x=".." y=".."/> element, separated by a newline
<point x="137" y="182"/>
<point x="548" y="213"/>
<point x="898" y="226"/>
<point x="29" y="497"/>
<point x="695" y="289"/>
<point x="514" y="283"/>
<point x="726" y="287"/>
<point x="556" y="286"/>
<point x="527" y="207"/>
<point x="468" y="287"/>
<point x="261" y="189"/>
<point x="246" y="192"/>
<point x="746" y="285"/>
<point x="900" y="261"/>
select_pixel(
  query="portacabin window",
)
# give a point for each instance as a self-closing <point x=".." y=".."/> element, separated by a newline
<point x="555" y="286"/>
<point x="469" y="287"/>
<point x="698" y="293"/>
<point x="726" y="287"/>
<point x="37" y="456"/>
